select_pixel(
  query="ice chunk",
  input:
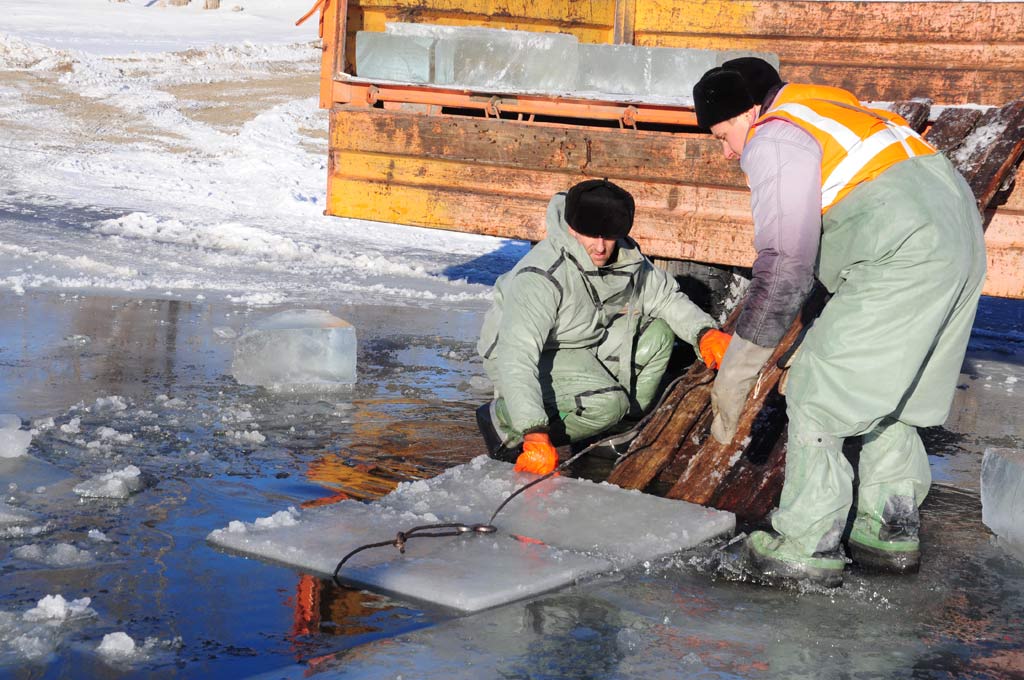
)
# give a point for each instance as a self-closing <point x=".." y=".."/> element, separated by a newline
<point x="115" y="484"/>
<point x="56" y="608"/>
<point x="614" y="69"/>
<point x="1002" y="494"/>
<point x="674" y="71"/>
<point x="60" y="555"/>
<point x="558" y="532"/>
<point x="490" y="58"/>
<point x="15" y="522"/>
<point x="117" y="646"/>
<point x="304" y="348"/>
<point x="402" y="58"/>
<point x="9" y="421"/>
<point x="113" y="403"/>
<point x="14" y="443"/>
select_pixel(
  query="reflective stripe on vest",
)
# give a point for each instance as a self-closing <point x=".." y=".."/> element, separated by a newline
<point x="857" y="144"/>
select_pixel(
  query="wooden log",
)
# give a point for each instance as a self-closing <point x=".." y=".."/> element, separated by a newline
<point x="991" y="150"/>
<point x="753" y="487"/>
<point x="657" y="444"/>
<point x="915" y="112"/>
<point x="712" y="463"/>
<point x="950" y="128"/>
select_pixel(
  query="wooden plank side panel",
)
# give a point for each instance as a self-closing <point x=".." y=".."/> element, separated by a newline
<point x="1004" y="245"/>
<point x="444" y="172"/>
<point x="516" y="209"/>
<point x="965" y="52"/>
<point x="595" y="151"/>
<point x="935" y="22"/>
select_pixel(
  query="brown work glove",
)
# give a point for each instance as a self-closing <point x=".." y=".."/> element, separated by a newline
<point x="538" y="456"/>
<point x="738" y="373"/>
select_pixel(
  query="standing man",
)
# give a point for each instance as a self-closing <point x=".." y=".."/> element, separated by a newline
<point x="581" y="331"/>
<point x="890" y="228"/>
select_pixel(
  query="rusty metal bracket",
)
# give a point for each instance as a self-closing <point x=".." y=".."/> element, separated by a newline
<point x="629" y="116"/>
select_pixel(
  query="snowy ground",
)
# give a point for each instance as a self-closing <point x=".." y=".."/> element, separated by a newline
<point x="161" y="187"/>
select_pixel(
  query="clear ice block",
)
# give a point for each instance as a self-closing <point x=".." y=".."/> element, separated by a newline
<point x="674" y="71"/>
<point x="488" y="58"/>
<point x="614" y="69"/>
<point x="305" y="348"/>
<point x="1002" y="494"/>
<point x="402" y="58"/>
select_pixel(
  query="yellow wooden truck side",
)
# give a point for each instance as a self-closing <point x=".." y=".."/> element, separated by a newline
<point x="485" y="163"/>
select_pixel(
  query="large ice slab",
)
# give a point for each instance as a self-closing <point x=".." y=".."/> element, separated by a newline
<point x="304" y="348"/>
<point x="614" y="69"/>
<point x="554" y="534"/>
<point x="674" y="71"/>
<point x="490" y="58"/>
<point x="1002" y="494"/>
<point x="401" y="58"/>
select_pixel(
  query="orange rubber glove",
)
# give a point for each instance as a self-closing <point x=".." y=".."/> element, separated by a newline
<point x="712" y="347"/>
<point x="538" y="456"/>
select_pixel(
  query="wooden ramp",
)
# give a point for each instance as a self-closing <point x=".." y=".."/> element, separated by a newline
<point x="676" y="456"/>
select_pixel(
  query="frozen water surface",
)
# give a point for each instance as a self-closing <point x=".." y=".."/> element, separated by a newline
<point x="410" y="417"/>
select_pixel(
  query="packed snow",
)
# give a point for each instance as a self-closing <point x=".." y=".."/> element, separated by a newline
<point x="233" y="210"/>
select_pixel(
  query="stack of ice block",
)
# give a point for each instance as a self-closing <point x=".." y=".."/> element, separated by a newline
<point x="299" y="349"/>
<point x="401" y="58"/>
<point x="524" y="61"/>
<point x="1002" y="494"/>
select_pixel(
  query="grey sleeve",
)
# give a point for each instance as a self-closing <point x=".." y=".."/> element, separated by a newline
<point x="783" y="166"/>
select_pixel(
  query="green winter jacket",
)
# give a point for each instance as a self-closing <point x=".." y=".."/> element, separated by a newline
<point x="555" y="298"/>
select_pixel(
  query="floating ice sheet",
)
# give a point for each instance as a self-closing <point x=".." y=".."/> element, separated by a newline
<point x="1002" y="494"/>
<point x="308" y="348"/>
<point x="554" y="534"/>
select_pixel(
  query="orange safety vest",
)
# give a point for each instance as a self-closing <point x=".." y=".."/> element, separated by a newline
<point x="857" y="144"/>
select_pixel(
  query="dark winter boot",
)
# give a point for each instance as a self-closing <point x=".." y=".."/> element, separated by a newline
<point x="890" y="544"/>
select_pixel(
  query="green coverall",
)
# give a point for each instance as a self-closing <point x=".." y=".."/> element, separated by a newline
<point x="884" y="356"/>
<point x="573" y="348"/>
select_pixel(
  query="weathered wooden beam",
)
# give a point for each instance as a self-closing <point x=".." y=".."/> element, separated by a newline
<point x="951" y="127"/>
<point x="658" y="442"/>
<point x="915" y="112"/>
<point x="991" y="150"/>
<point x="711" y="465"/>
